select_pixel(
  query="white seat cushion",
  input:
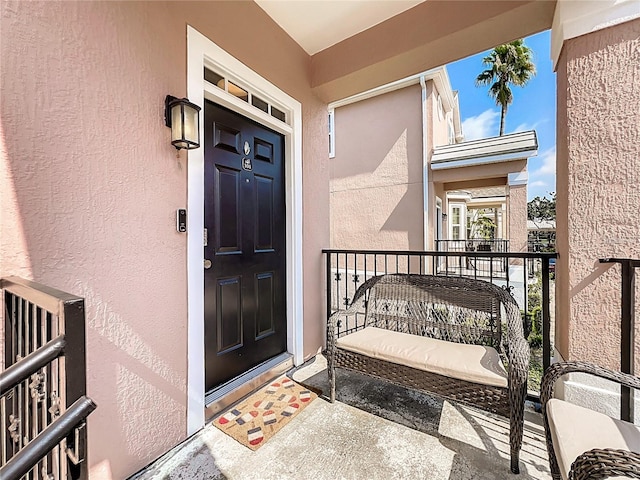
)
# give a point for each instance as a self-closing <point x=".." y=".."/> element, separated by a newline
<point x="576" y="430"/>
<point x="473" y="363"/>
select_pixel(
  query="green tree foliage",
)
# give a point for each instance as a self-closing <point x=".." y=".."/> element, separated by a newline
<point x="508" y="64"/>
<point x="542" y="208"/>
<point x="485" y="227"/>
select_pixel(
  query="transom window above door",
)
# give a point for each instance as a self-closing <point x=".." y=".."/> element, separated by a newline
<point x="245" y="94"/>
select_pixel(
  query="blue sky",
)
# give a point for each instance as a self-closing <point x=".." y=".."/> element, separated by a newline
<point x="533" y="108"/>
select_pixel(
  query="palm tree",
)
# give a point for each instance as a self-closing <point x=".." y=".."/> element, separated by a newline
<point x="509" y="64"/>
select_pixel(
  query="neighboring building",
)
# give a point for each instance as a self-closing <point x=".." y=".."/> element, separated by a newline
<point x="402" y="177"/>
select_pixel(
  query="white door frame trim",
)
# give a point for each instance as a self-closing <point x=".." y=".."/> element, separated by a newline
<point x="200" y="52"/>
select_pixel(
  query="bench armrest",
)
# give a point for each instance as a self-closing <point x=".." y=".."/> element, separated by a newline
<point x="336" y="317"/>
<point x="557" y="370"/>
<point x="518" y="351"/>
<point x="354" y="307"/>
<point x="584" y="468"/>
<point x="605" y="463"/>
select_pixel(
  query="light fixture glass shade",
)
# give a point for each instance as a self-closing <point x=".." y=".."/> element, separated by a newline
<point x="184" y="119"/>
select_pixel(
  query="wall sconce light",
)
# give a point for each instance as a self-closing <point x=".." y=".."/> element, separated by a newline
<point x="444" y="217"/>
<point x="183" y="117"/>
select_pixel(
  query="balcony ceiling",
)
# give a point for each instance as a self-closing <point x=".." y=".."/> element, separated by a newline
<point x="319" y="24"/>
<point x="355" y="46"/>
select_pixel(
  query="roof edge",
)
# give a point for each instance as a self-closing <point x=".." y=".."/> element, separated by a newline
<point x="439" y="75"/>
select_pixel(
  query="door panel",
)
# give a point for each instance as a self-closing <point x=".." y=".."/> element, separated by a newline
<point x="227" y="138"/>
<point x="227" y="231"/>
<point x="229" y="314"/>
<point x="264" y="206"/>
<point x="265" y="294"/>
<point x="245" y="304"/>
<point x="263" y="150"/>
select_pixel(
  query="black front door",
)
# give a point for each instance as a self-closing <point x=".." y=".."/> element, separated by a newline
<point x="244" y="216"/>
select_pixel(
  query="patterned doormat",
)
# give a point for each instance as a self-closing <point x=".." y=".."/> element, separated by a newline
<point x="259" y="417"/>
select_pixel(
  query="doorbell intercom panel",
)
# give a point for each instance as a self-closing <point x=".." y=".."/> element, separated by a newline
<point x="181" y="220"/>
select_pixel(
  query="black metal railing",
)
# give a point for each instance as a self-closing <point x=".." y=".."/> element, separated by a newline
<point x="541" y="241"/>
<point x="473" y="245"/>
<point x="526" y="275"/>
<point x="43" y="405"/>
<point x="468" y="264"/>
<point x="627" y="329"/>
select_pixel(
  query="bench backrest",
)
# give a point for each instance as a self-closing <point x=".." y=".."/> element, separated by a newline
<point x="448" y="308"/>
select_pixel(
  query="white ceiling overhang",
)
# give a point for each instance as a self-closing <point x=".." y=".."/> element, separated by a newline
<point x="358" y="45"/>
<point x="319" y="24"/>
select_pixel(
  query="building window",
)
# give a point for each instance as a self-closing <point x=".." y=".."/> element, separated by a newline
<point x="456" y="223"/>
<point x="332" y="134"/>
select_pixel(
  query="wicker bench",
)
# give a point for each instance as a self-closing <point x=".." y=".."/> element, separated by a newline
<point x="441" y="335"/>
<point x="584" y="444"/>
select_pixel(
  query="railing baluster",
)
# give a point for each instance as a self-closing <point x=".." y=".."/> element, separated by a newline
<point x="627" y="330"/>
<point x="491" y="269"/>
<point x="3" y="426"/>
<point x="329" y="282"/>
<point x="345" y="279"/>
<point x="365" y="267"/>
<point x="627" y="339"/>
<point x="546" y="316"/>
<point x="33" y="414"/>
<point x="55" y="373"/>
<point x="20" y="403"/>
<point x="46" y="370"/>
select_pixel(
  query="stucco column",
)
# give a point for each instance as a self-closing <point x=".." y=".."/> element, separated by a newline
<point x="517" y="212"/>
<point x="598" y="174"/>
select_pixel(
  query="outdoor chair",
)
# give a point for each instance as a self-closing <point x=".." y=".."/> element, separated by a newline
<point x="582" y="443"/>
<point x="442" y="335"/>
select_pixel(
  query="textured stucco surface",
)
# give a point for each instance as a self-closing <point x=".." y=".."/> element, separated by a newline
<point x="438" y="134"/>
<point x="376" y="175"/>
<point x="598" y="179"/>
<point x="517" y="218"/>
<point x="90" y="185"/>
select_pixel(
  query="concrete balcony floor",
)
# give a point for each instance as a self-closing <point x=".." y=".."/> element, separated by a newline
<point x="373" y="431"/>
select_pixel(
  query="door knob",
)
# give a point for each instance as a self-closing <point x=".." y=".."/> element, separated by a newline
<point x="207" y="264"/>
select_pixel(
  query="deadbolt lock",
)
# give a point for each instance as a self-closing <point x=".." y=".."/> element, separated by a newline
<point x="207" y="264"/>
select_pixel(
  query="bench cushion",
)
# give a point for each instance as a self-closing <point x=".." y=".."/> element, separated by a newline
<point x="576" y="430"/>
<point x="473" y="363"/>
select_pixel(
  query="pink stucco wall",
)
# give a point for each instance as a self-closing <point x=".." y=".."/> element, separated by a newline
<point x="377" y="170"/>
<point x="376" y="175"/>
<point x="90" y="185"/>
<point x="598" y="177"/>
<point x="517" y="218"/>
<point x="438" y="133"/>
